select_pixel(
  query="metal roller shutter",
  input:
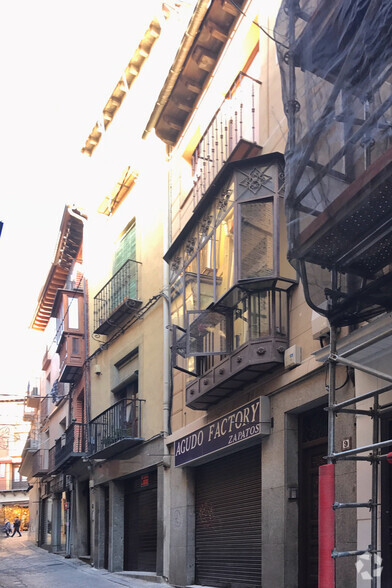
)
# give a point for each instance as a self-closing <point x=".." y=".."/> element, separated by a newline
<point x="140" y="524"/>
<point x="228" y="521"/>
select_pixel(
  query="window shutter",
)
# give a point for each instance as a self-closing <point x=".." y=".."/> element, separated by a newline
<point x="126" y="249"/>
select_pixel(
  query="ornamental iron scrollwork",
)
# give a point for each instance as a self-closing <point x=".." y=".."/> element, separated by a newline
<point x="224" y="198"/>
<point x="255" y="180"/>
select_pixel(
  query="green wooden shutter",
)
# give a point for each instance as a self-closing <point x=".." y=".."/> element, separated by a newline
<point x="124" y="284"/>
<point x="126" y="249"/>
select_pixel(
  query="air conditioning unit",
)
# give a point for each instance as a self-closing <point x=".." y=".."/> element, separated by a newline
<point x="292" y="356"/>
<point x="320" y="325"/>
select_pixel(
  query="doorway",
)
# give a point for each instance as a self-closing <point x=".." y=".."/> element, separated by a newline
<point x="140" y="523"/>
<point x="313" y="447"/>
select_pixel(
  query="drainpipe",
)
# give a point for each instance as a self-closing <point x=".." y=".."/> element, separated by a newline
<point x="167" y="392"/>
<point x="176" y="68"/>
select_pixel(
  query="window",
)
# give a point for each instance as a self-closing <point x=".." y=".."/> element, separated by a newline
<point x="257" y="258"/>
<point x="2" y="470"/>
<point x="126" y="248"/>
<point x="73" y="313"/>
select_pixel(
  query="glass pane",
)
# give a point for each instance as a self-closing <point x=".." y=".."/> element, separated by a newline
<point x="225" y="255"/>
<point x="256" y="239"/>
<point x="191" y="295"/>
<point x="240" y="323"/>
<point x="73" y="313"/>
<point x="281" y="313"/>
<point x="260" y="314"/>
<point x="206" y="333"/>
<point x="177" y="302"/>
<point x="60" y="323"/>
<point x="207" y="274"/>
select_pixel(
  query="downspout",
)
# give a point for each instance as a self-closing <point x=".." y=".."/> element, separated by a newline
<point x="167" y="390"/>
<point x="176" y="68"/>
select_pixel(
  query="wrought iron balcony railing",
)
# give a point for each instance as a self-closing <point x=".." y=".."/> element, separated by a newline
<point x="117" y="298"/>
<point x="40" y="465"/>
<point x="20" y="485"/>
<point x="51" y="459"/>
<point x="233" y="127"/>
<point x="71" y="445"/>
<point x="116" y="429"/>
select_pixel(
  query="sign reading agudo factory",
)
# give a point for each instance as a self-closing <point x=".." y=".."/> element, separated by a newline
<point x="246" y="424"/>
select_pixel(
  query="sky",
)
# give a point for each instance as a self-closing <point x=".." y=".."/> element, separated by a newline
<point x="60" y="62"/>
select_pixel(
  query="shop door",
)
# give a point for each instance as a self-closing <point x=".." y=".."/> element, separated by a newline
<point x="313" y="447"/>
<point x="140" y="524"/>
<point x="228" y="521"/>
<point x="106" y="529"/>
<point x="44" y="522"/>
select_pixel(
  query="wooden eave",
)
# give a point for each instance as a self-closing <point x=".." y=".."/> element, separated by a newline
<point x="122" y="87"/>
<point x="124" y="185"/>
<point x="68" y="247"/>
<point x="183" y="94"/>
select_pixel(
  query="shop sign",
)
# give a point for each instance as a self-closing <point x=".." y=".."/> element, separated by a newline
<point x="244" y="425"/>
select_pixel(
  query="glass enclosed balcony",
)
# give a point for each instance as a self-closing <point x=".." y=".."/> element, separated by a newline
<point x="234" y="345"/>
<point x="229" y="282"/>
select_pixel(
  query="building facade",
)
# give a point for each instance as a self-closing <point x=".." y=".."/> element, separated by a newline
<point x="128" y="310"/>
<point x="248" y="422"/>
<point x="58" y="436"/>
<point x="237" y="316"/>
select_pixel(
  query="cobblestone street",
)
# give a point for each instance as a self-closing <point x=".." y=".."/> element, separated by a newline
<point x="23" y="564"/>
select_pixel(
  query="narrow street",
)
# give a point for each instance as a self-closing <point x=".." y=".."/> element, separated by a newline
<point x="24" y="564"/>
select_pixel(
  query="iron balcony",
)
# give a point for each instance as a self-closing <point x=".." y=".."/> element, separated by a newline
<point x="117" y="299"/>
<point x="71" y="446"/>
<point x="116" y="429"/>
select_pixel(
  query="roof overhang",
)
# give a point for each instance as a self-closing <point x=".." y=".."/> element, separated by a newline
<point x="67" y="250"/>
<point x="203" y="43"/>
<point x="123" y="86"/>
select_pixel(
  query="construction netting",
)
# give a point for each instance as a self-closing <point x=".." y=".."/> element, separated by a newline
<point x="335" y="58"/>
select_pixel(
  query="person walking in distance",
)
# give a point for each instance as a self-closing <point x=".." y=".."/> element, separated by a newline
<point x="16" y="527"/>
<point x="7" y="528"/>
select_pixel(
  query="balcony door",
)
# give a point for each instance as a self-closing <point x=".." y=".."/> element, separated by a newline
<point x="126" y="285"/>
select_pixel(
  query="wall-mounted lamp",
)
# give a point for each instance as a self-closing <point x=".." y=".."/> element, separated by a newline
<point x="97" y="369"/>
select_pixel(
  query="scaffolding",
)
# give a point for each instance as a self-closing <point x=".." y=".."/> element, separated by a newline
<point x="336" y="71"/>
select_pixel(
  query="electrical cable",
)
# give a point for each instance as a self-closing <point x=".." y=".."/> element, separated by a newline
<point x="258" y="25"/>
